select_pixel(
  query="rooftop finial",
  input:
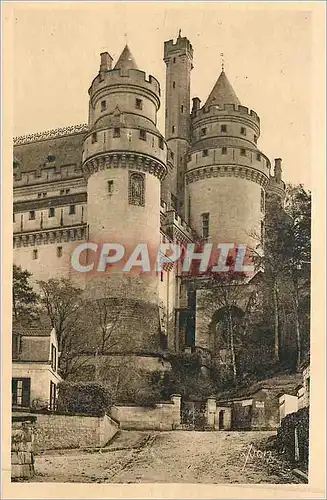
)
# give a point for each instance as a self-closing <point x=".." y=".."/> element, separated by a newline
<point x="222" y="62"/>
<point x="179" y="33"/>
<point x="126" y="38"/>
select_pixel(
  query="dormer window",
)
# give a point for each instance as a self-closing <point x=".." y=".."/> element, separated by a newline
<point x="116" y="132"/>
<point x="94" y="137"/>
<point x="32" y="215"/>
<point x="243" y="152"/>
<point x="224" y="151"/>
<point x="143" y="135"/>
<point x="138" y="103"/>
<point x="243" y="130"/>
<point x="72" y="209"/>
<point x="258" y="157"/>
<point x="51" y="158"/>
<point x="205" y="152"/>
<point x="203" y="132"/>
<point x="223" y="128"/>
<point x="103" y="105"/>
<point x="161" y="143"/>
<point x="51" y="212"/>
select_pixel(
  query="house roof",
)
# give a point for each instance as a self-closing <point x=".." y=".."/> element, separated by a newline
<point x="126" y="60"/>
<point x="32" y="332"/>
<point x="222" y="92"/>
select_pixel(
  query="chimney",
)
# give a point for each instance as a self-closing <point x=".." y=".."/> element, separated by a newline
<point x="106" y="61"/>
<point x="196" y="105"/>
<point x="278" y="169"/>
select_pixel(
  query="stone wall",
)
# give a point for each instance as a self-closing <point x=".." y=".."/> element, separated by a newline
<point x="22" y="460"/>
<point x="163" y="416"/>
<point x="73" y="431"/>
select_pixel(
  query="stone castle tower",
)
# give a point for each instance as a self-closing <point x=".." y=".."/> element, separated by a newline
<point x="117" y="179"/>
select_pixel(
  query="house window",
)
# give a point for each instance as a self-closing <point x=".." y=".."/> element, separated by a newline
<point x="174" y="85"/>
<point x="243" y="130"/>
<point x="59" y="252"/>
<point x="20" y="391"/>
<point x="35" y="254"/>
<point x="138" y="103"/>
<point x="243" y="152"/>
<point x="205" y="225"/>
<point x="205" y="152"/>
<point x="143" y="135"/>
<point x="173" y="129"/>
<point x="262" y="201"/>
<point x="223" y="128"/>
<point x="161" y="143"/>
<point x="62" y="191"/>
<point x="110" y="186"/>
<point x="224" y="151"/>
<point x="255" y="138"/>
<point x="94" y="137"/>
<point x="32" y="215"/>
<point x="258" y="156"/>
<point x="53" y="357"/>
<point x="136" y="189"/>
<point x="51" y="212"/>
<point x="72" y="209"/>
<point x="103" y="105"/>
<point x="203" y="132"/>
<point x="116" y="132"/>
<point x="182" y="108"/>
<point x="53" y="396"/>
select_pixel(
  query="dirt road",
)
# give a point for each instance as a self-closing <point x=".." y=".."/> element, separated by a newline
<point x="178" y="456"/>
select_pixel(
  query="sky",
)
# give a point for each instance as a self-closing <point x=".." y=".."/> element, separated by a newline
<point x="267" y="50"/>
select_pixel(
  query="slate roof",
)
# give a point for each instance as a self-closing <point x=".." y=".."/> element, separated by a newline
<point x="126" y="60"/>
<point x="222" y="92"/>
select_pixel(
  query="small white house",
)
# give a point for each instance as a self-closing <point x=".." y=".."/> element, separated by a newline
<point x="34" y="368"/>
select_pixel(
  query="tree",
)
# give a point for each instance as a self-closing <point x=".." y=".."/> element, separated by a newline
<point x="25" y="299"/>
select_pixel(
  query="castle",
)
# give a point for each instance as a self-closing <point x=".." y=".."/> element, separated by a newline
<point x="118" y="179"/>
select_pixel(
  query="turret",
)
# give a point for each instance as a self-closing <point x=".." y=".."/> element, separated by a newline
<point x="124" y="161"/>
<point x="178" y="57"/>
<point x="276" y="188"/>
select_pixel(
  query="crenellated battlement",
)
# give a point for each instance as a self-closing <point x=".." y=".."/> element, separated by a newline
<point x="223" y="110"/>
<point x="51" y="134"/>
<point x="121" y="77"/>
<point x="181" y="44"/>
<point x="47" y="174"/>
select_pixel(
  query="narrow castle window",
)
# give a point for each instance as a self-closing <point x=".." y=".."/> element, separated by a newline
<point x="173" y="129"/>
<point x="103" y="105"/>
<point x="205" y="152"/>
<point x="243" y="130"/>
<point x="143" y="135"/>
<point x="262" y="202"/>
<point x="13" y="218"/>
<point x="51" y="158"/>
<point x="258" y="156"/>
<point x="59" y="252"/>
<point x="62" y="191"/>
<point x="136" y="189"/>
<point x="223" y="128"/>
<point x="51" y="212"/>
<point x="44" y="195"/>
<point x="72" y="210"/>
<point x="161" y="276"/>
<point x="262" y="231"/>
<point x="203" y="132"/>
<point x="32" y="215"/>
<point x="243" y="152"/>
<point x="138" y="103"/>
<point x="110" y="185"/>
<point x="224" y="151"/>
<point x="94" y="137"/>
<point x="174" y="59"/>
<point x="67" y="191"/>
<point x="39" y="195"/>
<point x="161" y="143"/>
<point x="205" y="225"/>
<point x="35" y="254"/>
<point x="255" y="138"/>
<point x="174" y="85"/>
<point x="172" y="156"/>
<point x="182" y="108"/>
<point x="116" y="132"/>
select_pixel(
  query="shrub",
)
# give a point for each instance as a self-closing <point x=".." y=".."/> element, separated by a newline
<point x="286" y="435"/>
<point x="83" y="398"/>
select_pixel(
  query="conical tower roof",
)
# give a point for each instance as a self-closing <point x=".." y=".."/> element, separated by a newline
<point x="222" y="92"/>
<point x="126" y="60"/>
